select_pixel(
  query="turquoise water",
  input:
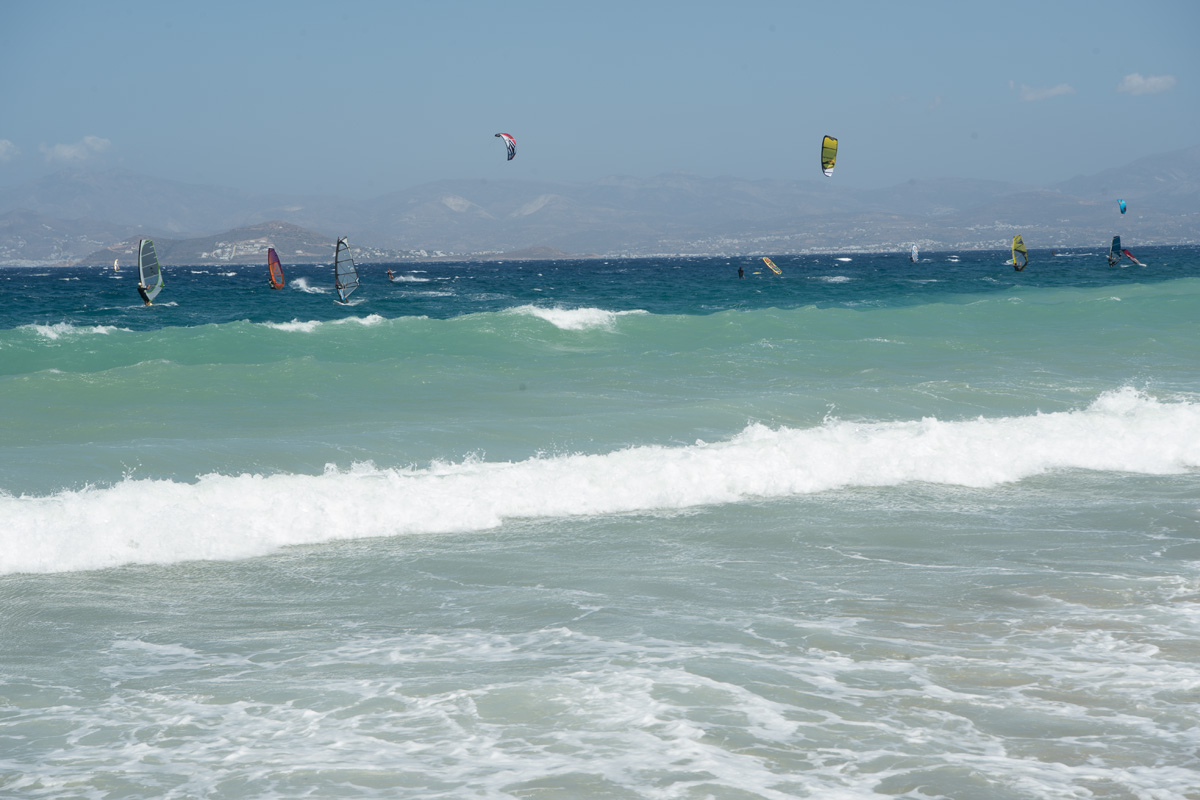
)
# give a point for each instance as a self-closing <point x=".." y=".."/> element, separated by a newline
<point x="604" y="529"/>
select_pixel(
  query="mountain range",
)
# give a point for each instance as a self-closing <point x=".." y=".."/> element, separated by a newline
<point x="84" y="217"/>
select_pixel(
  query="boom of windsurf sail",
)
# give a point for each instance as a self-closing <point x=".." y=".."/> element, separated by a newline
<point x="771" y="264"/>
<point x="345" y="276"/>
<point x="510" y="143"/>
<point x="828" y="155"/>
<point x="274" y="269"/>
<point x="1020" y="256"/>
<point x="1114" y="251"/>
<point x="150" y="279"/>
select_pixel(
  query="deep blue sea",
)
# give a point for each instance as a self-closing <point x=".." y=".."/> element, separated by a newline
<point x="604" y="529"/>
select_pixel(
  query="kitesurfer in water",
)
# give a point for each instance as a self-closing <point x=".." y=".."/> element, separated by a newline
<point x="142" y="292"/>
<point x="390" y="276"/>
<point x="741" y="272"/>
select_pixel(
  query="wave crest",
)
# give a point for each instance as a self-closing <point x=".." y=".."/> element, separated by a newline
<point x="225" y="517"/>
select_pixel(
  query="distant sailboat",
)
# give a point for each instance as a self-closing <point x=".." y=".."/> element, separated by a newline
<point x="150" y="280"/>
<point x="1020" y="256"/>
<point x="345" y="276"/>
<point x="913" y="257"/>
<point x="274" y="269"/>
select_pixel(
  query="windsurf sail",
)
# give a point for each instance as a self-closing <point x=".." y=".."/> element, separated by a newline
<point x="274" y="269"/>
<point x="828" y="155"/>
<point x="1020" y="256"/>
<point x="150" y="280"/>
<point x="913" y="256"/>
<point x="510" y="143"/>
<point x="115" y="266"/>
<point x="1129" y="255"/>
<point x="345" y="276"/>
<point x="1114" y="251"/>
<point x="771" y="264"/>
<point x="1121" y="203"/>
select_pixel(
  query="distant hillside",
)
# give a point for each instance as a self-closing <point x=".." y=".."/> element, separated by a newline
<point x="247" y="245"/>
<point x="28" y="238"/>
<point x="1160" y="180"/>
<point x="80" y="216"/>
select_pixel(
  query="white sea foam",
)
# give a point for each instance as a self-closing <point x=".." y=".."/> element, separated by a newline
<point x="367" y="321"/>
<point x="295" y="326"/>
<point x="409" y="279"/>
<point x="301" y="284"/>
<point x="226" y="516"/>
<point x="843" y="258"/>
<point x="61" y="329"/>
<point x="834" y="278"/>
<point x="574" y="319"/>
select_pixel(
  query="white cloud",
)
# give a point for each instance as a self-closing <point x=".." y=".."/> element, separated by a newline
<point x="1136" y="84"/>
<point x="7" y="150"/>
<point x="82" y="150"/>
<point x="1029" y="94"/>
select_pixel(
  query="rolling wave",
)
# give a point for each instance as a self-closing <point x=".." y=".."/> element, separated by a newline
<point x="238" y="516"/>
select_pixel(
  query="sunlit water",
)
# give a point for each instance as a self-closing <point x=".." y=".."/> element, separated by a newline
<point x="604" y="529"/>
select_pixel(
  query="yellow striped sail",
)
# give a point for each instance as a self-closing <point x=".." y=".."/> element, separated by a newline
<point x="828" y="155"/>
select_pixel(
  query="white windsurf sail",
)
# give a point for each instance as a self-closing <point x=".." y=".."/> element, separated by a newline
<point x="150" y="280"/>
<point x="345" y="276"/>
<point x="914" y="257"/>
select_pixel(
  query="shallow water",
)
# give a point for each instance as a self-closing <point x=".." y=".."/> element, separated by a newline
<point x="604" y="529"/>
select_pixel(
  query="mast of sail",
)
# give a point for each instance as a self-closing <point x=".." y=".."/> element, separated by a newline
<point x="1020" y="256"/>
<point x="274" y="269"/>
<point x="345" y="276"/>
<point x="149" y="274"/>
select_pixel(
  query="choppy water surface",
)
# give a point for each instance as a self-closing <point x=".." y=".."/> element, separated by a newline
<point x="586" y="529"/>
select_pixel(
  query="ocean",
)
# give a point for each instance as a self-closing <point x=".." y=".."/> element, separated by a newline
<point x="604" y="529"/>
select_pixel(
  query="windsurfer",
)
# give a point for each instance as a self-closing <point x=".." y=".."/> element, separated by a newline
<point x="741" y="273"/>
<point x="142" y="292"/>
<point x="391" y="277"/>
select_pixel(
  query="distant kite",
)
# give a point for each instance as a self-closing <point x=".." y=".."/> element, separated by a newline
<point x="1121" y="203"/>
<point x="828" y="155"/>
<point x="510" y="143"/>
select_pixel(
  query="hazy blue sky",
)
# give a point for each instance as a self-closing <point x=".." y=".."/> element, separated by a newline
<point x="369" y="97"/>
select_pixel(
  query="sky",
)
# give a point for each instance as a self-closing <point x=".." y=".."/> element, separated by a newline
<point x="360" y="98"/>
